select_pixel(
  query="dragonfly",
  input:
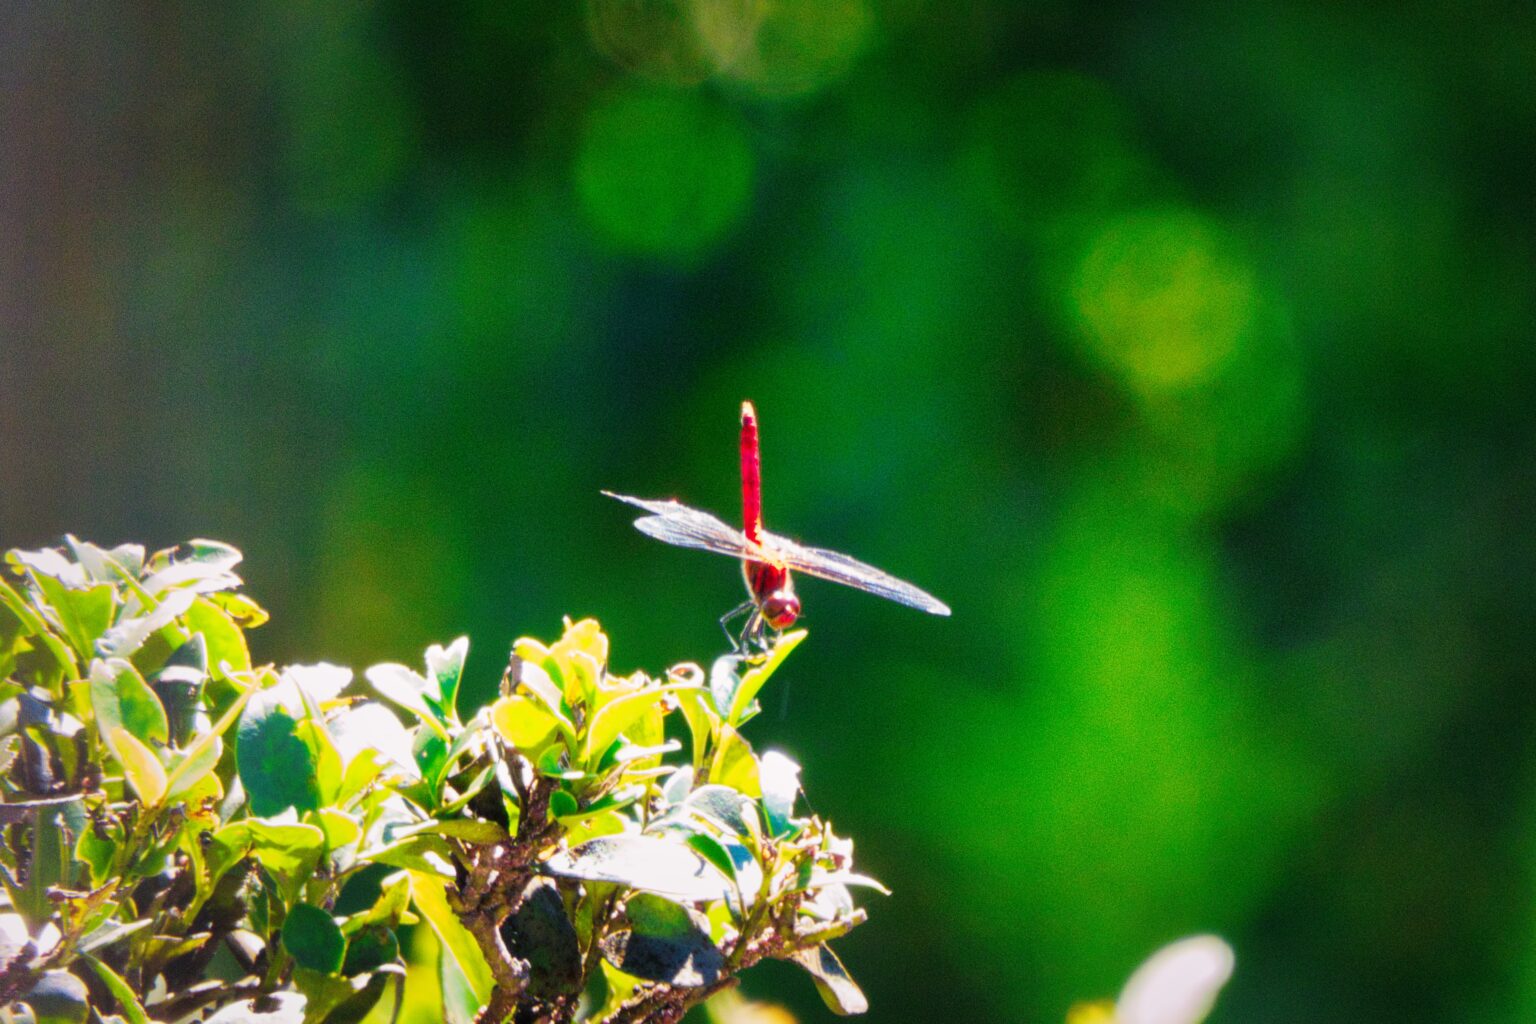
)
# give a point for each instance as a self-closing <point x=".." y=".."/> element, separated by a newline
<point x="767" y="559"/>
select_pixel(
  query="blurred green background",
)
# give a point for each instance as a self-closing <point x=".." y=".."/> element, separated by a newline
<point x="1184" y="348"/>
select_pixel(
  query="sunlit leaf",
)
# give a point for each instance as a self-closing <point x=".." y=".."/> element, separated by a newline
<point x="666" y="943"/>
<point x="121" y="699"/>
<point x="525" y="724"/>
<point x="277" y="1008"/>
<point x="445" y="668"/>
<point x="620" y="713"/>
<point x="225" y="640"/>
<point x="837" y="987"/>
<point x="429" y="897"/>
<point x="58" y="997"/>
<point x="780" y="779"/>
<point x="734" y="763"/>
<point x="141" y="767"/>
<point x="663" y="865"/>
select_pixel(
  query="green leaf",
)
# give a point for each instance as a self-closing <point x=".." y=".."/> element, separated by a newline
<point x="430" y="897"/>
<point x="663" y="865"/>
<point x="722" y="805"/>
<point x="541" y="933"/>
<point x="369" y="949"/>
<point x="50" y="861"/>
<point x="327" y="759"/>
<point x="132" y="1009"/>
<point x="314" y="940"/>
<point x="714" y="851"/>
<point x="289" y="850"/>
<point x="445" y="667"/>
<point x="734" y="764"/>
<point x="571" y="813"/>
<point x="703" y="721"/>
<point x="58" y="997"/>
<point x="193" y="767"/>
<point x="141" y="767"/>
<point x="276" y="767"/>
<point x="97" y="853"/>
<point x="622" y="712"/>
<point x="225" y="640"/>
<point x="195" y="762"/>
<point x="121" y="699"/>
<point x="339" y="828"/>
<point x="667" y="943"/>
<point x="837" y="987"/>
<point x="179" y="686"/>
<point x="654" y="915"/>
<point x="407" y="689"/>
<point x="389" y="909"/>
<point x="756" y="676"/>
<point x="123" y="639"/>
<point x="470" y="830"/>
<point x="526" y="725"/>
<point x="58" y="651"/>
<point x="84" y="614"/>
<point x="425" y="853"/>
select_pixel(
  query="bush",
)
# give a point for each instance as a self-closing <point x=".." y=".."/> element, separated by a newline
<point x="186" y="831"/>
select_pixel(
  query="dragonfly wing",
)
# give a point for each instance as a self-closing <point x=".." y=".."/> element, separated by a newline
<point x="676" y="523"/>
<point x="839" y="568"/>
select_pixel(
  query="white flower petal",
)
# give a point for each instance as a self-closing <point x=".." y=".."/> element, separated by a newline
<point x="1178" y="984"/>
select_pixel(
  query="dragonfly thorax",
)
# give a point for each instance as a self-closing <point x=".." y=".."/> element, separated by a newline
<point x="773" y="591"/>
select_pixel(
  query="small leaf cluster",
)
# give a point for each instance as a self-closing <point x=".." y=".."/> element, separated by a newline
<point x="183" y="831"/>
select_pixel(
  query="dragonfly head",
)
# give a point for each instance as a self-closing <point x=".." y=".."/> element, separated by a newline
<point x="781" y="608"/>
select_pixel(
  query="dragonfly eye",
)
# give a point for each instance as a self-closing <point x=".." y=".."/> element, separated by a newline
<point x="781" y="609"/>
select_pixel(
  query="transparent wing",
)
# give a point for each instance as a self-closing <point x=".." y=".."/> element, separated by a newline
<point x="676" y="523"/>
<point x="829" y="565"/>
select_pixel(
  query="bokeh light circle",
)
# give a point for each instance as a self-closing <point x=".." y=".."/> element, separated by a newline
<point x="664" y="173"/>
<point x="1162" y="298"/>
<point x="681" y="42"/>
<point x="798" y="46"/>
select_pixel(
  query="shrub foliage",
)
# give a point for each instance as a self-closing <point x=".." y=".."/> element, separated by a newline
<point x="188" y="832"/>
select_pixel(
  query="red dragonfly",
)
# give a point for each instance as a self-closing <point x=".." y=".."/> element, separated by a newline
<point x="766" y="558"/>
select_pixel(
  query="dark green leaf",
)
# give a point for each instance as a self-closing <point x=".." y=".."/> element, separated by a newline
<point x="314" y="940"/>
<point x="541" y="933"/>
<point x="179" y="685"/>
<point x="127" y="1000"/>
<point x="683" y="955"/>
<point x="370" y="948"/>
<point x="276" y="768"/>
<point x="58" y="997"/>
<point x="657" y="916"/>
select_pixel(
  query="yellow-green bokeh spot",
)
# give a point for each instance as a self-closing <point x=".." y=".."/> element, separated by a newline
<point x="1162" y="298"/>
<point x="798" y="46"/>
<point x="664" y="174"/>
<point x="680" y="42"/>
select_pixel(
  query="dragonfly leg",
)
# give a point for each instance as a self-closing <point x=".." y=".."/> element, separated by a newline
<point x="754" y="637"/>
<point x="745" y="608"/>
